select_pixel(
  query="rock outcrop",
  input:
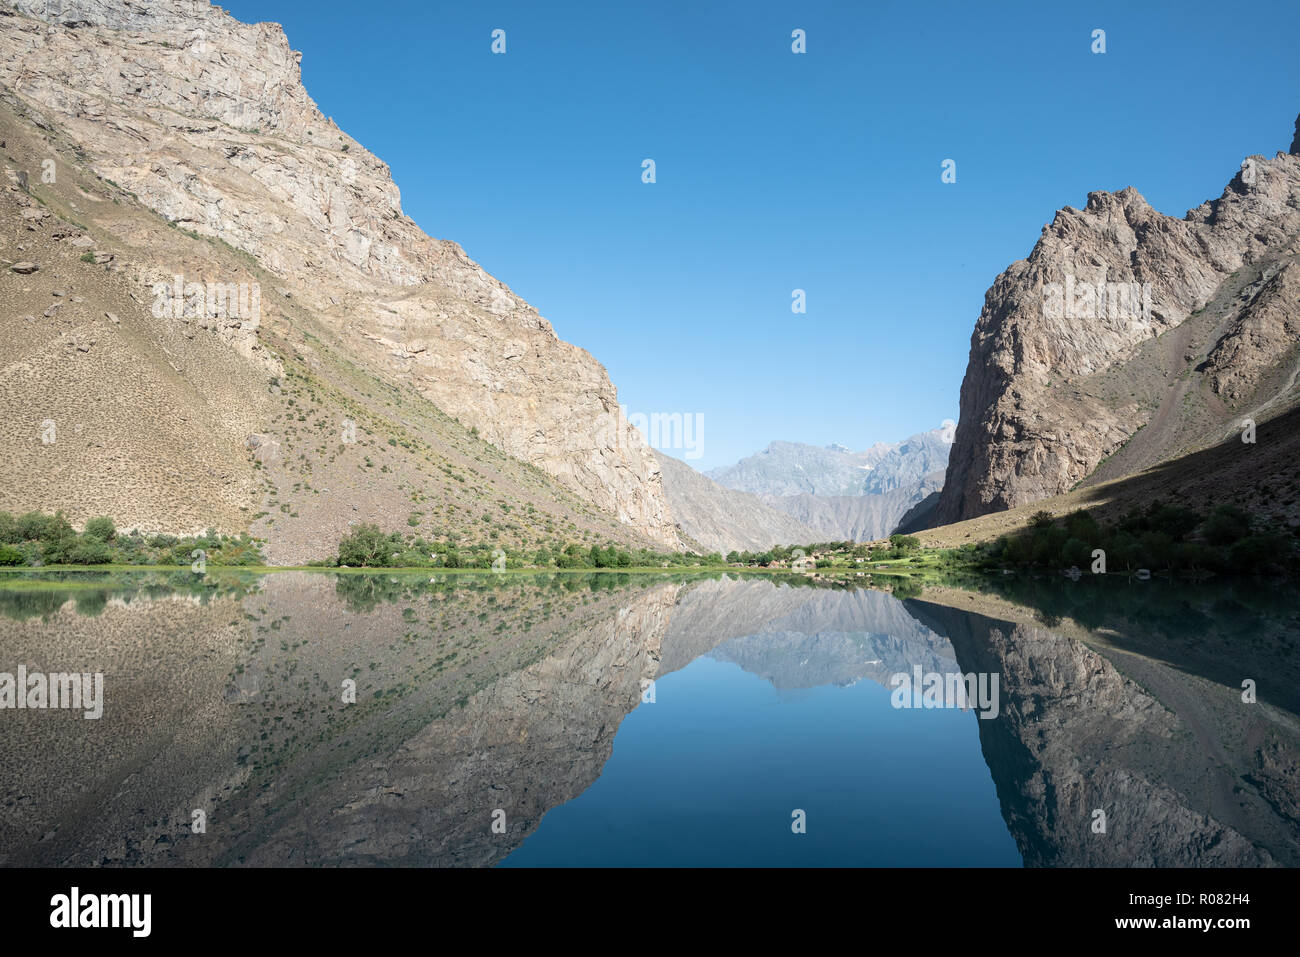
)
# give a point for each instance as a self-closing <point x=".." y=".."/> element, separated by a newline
<point x="1124" y="318"/>
<point x="205" y="121"/>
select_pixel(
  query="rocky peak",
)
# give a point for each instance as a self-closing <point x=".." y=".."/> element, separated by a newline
<point x="1042" y="403"/>
<point x="140" y="16"/>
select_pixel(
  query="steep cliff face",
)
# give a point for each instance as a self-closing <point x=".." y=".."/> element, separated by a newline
<point x="206" y="122"/>
<point x="1123" y="318"/>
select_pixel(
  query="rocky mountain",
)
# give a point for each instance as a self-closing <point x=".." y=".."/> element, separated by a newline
<point x="793" y="468"/>
<point x="844" y="495"/>
<point x="1128" y="339"/>
<point x="721" y="519"/>
<point x="858" y="518"/>
<point x="908" y="463"/>
<point x="150" y="141"/>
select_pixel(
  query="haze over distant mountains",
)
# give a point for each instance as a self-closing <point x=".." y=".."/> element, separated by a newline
<point x="793" y="468"/>
<point x="841" y="494"/>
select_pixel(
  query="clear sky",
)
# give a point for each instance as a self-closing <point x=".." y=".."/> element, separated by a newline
<point x="778" y="171"/>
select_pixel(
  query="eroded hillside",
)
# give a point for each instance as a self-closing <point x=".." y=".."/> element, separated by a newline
<point x="171" y="140"/>
<point x="177" y="424"/>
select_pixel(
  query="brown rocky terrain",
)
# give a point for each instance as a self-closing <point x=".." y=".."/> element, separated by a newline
<point x="181" y="142"/>
<point x="1198" y="330"/>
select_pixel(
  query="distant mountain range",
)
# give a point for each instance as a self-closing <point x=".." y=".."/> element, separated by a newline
<point x="793" y="468"/>
<point x="722" y="519"/>
<point x="832" y="493"/>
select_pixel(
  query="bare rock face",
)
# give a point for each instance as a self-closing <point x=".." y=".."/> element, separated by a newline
<point x="1122" y="317"/>
<point x="205" y="120"/>
<point x="1269" y="328"/>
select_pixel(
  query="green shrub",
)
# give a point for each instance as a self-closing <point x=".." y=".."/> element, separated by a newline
<point x="89" y="551"/>
<point x="1257" y="552"/>
<point x="1082" y="526"/>
<point x="1226" y="525"/>
<point x="57" y="551"/>
<point x="37" y="526"/>
<point x="1173" y="521"/>
<point x="367" y="546"/>
<point x="903" y="544"/>
<point x="1076" y="552"/>
<point x="101" y="528"/>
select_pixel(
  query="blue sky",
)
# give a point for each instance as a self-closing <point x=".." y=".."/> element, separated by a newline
<point x="779" y="171"/>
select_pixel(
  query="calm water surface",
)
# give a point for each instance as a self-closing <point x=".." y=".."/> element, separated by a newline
<point x="524" y="720"/>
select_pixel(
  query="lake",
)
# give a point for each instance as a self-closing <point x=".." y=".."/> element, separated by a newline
<point x="515" y="719"/>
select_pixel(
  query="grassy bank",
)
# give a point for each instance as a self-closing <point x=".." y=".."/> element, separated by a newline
<point x="1161" y="539"/>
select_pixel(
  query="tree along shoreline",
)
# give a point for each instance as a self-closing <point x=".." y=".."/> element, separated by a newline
<point x="1160" y="540"/>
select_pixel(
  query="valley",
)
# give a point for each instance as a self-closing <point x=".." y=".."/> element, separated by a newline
<point x="367" y="566"/>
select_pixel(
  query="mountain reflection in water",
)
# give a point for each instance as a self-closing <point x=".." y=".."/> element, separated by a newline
<point x="635" y="719"/>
